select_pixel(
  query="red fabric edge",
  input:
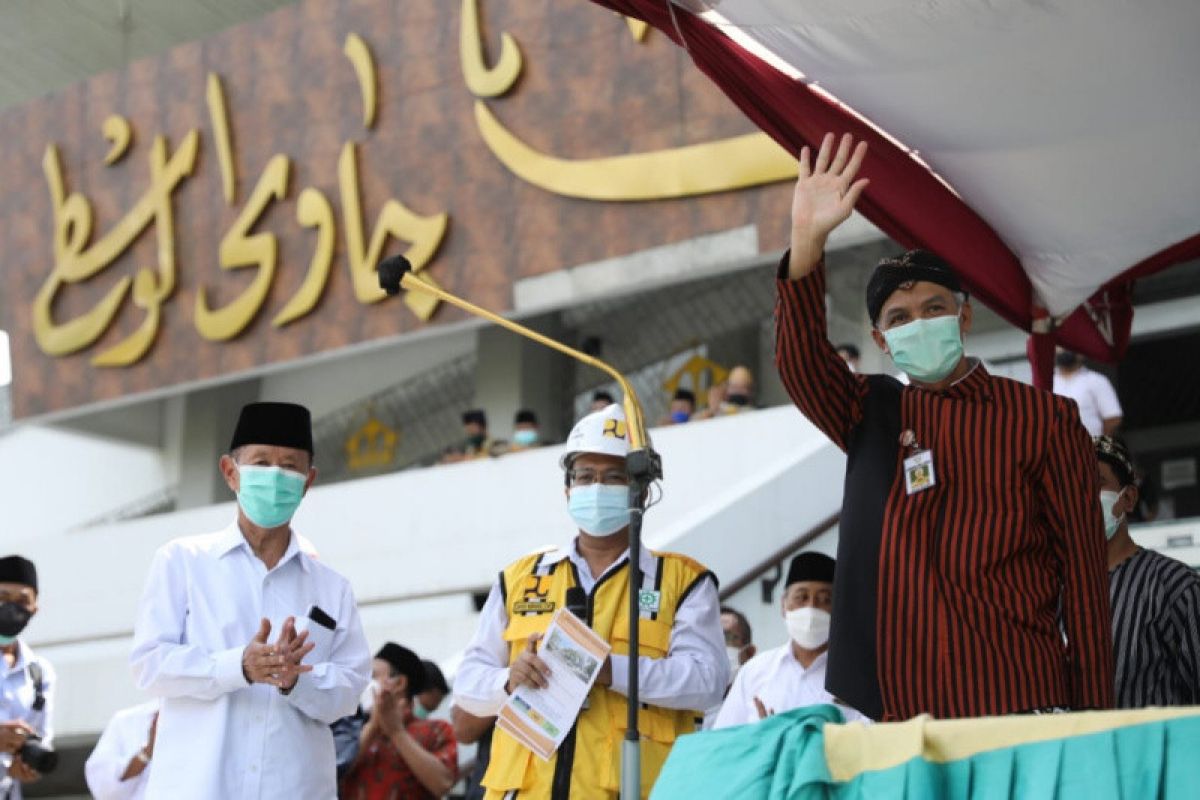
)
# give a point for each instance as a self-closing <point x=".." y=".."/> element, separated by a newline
<point x="904" y="200"/>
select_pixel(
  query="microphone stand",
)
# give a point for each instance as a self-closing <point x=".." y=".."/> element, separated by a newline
<point x="643" y="464"/>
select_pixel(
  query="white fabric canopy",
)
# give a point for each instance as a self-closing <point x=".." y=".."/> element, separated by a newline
<point x="1072" y="127"/>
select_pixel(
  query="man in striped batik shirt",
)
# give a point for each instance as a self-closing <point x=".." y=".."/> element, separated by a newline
<point x="969" y="523"/>
<point x="1155" y="600"/>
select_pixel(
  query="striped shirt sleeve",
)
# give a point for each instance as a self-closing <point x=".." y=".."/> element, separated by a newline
<point x="815" y="376"/>
<point x="1072" y="515"/>
<point x="1185" y="619"/>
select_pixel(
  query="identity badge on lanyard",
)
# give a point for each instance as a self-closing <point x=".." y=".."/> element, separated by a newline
<point x="918" y="468"/>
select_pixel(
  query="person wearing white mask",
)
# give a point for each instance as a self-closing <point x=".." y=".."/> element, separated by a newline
<point x="682" y="664"/>
<point x="739" y="641"/>
<point x="792" y="675"/>
<point x="1155" y="600"/>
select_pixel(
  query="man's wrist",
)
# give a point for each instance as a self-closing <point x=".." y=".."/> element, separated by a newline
<point x="142" y="756"/>
<point x="804" y="256"/>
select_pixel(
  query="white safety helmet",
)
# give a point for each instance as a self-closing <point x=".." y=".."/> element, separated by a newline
<point x="604" y="432"/>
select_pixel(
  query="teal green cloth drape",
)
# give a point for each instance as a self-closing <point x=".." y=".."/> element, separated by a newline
<point x="783" y="758"/>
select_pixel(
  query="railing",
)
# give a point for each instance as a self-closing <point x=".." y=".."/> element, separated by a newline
<point x="157" y="502"/>
<point x="423" y="411"/>
<point x="775" y="559"/>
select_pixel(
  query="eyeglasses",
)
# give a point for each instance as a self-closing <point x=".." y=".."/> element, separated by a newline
<point x="587" y="477"/>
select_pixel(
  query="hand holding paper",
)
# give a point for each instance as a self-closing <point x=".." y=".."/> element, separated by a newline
<point x="549" y="689"/>
<point x="528" y="669"/>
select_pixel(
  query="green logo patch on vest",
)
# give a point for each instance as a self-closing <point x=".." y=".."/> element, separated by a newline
<point x="649" y="600"/>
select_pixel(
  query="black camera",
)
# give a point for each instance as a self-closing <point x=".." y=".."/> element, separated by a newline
<point x="41" y="759"/>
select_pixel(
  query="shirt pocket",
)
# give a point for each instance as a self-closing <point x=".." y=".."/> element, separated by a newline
<point x="321" y="638"/>
<point x="654" y="638"/>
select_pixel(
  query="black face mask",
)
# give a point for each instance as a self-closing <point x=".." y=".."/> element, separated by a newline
<point x="13" y="618"/>
<point x="476" y="440"/>
<point x="1067" y="360"/>
<point x="737" y="399"/>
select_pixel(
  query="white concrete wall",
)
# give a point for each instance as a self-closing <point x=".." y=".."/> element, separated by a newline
<point x="415" y="544"/>
<point x="52" y="480"/>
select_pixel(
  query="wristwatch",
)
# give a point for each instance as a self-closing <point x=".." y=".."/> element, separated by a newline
<point x="142" y="756"/>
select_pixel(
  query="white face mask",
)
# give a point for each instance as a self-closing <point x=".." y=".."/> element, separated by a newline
<point x="734" y="654"/>
<point x="808" y="626"/>
<point x="1111" y="523"/>
<point x="367" y="699"/>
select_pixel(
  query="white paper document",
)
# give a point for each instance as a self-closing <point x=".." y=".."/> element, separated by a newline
<point x="541" y="718"/>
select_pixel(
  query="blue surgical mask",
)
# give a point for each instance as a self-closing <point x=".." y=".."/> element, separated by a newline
<point x="1112" y="523"/>
<point x="927" y="350"/>
<point x="269" y="496"/>
<point x="599" y="510"/>
<point x="526" y="437"/>
<point x="680" y="417"/>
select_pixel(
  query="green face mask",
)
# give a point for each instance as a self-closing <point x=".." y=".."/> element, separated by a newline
<point x="926" y="349"/>
<point x="269" y="496"/>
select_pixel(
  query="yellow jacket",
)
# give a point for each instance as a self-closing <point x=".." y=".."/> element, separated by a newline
<point x="588" y="764"/>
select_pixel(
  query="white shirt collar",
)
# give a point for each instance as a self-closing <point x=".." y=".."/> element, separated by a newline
<point x="24" y="657"/>
<point x="231" y="538"/>
<point x="818" y="662"/>
<point x="571" y="551"/>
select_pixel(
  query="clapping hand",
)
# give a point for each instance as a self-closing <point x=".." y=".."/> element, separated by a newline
<point x="392" y="707"/>
<point x="277" y="664"/>
<point x="763" y="711"/>
<point x="826" y="192"/>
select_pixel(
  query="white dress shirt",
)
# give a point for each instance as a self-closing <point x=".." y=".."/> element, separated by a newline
<point x="17" y="697"/>
<point x="218" y="736"/>
<point x="124" y="736"/>
<point x="1092" y="392"/>
<point x="691" y="676"/>
<point x="779" y="681"/>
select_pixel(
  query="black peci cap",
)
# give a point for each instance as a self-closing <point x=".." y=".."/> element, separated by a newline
<point x="278" y="424"/>
<point x="810" y="566"/>
<point x="18" y="569"/>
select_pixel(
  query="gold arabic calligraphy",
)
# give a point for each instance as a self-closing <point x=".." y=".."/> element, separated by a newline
<point x="77" y="258"/>
<point x="690" y="170"/>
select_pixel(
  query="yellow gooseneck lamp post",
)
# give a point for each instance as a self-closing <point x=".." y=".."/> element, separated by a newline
<point x="643" y="464"/>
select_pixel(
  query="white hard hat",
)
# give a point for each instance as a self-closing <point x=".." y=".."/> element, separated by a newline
<point x="604" y="432"/>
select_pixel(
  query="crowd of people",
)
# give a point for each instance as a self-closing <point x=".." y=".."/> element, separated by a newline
<point x="984" y="567"/>
<point x="733" y="395"/>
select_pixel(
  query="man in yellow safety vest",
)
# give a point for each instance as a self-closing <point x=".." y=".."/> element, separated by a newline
<point x="682" y="664"/>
